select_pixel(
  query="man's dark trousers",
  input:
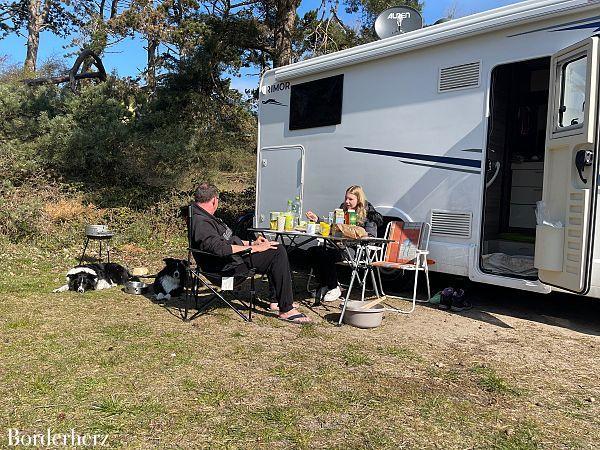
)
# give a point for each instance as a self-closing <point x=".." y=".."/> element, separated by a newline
<point x="274" y="263"/>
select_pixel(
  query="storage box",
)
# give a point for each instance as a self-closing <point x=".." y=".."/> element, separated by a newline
<point x="549" y="248"/>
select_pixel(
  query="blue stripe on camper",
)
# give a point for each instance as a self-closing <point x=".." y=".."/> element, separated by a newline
<point x="434" y="166"/>
<point x="577" y="25"/>
<point x="420" y="157"/>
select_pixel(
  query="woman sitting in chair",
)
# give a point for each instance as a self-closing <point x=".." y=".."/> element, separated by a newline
<point x="323" y="259"/>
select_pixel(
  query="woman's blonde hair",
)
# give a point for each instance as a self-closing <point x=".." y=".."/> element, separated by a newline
<point x="361" y="204"/>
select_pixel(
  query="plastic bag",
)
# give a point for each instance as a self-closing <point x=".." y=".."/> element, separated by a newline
<point x="542" y="215"/>
<point x="351" y="231"/>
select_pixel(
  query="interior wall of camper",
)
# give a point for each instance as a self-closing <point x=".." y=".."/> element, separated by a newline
<point x="514" y="165"/>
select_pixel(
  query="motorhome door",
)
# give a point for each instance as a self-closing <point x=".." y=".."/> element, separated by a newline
<point x="564" y="250"/>
<point x="280" y="178"/>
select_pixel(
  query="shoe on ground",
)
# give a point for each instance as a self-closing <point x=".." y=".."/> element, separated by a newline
<point x="319" y="293"/>
<point x="459" y="303"/>
<point x="332" y="295"/>
<point x="446" y="298"/>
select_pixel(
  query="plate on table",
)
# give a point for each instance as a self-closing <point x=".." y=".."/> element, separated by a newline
<point x="300" y="228"/>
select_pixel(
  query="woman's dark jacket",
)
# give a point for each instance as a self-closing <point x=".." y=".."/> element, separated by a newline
<point x="373" y="220"/>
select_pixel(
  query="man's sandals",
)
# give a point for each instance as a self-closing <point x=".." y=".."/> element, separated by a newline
<point x="276" y="307"/>
<point x="298" y="318"/>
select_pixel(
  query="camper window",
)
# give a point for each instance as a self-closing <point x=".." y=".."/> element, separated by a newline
<point x="572" y="98"/>
<point x="316" y="103"/>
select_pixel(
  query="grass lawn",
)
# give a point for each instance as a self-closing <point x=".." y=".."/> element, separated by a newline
<point x="108" y="362"/>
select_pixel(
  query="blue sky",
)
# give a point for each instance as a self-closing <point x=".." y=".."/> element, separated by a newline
<point x="129" y="57"/>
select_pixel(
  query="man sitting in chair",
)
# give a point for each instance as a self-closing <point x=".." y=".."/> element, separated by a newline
<point x="211" y="235"/>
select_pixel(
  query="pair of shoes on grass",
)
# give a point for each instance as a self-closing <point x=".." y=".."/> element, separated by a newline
<point x="454" y="300"/>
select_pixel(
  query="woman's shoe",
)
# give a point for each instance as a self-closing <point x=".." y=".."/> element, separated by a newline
<point x="446" y="298"/>
<point x="332" y="295"/>
<point x="458" y="301"/>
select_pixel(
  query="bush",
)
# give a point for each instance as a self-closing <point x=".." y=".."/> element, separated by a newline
<point x="115" y="154"/>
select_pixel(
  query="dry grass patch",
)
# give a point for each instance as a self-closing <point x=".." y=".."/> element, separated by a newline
<point x="120" y="364"/>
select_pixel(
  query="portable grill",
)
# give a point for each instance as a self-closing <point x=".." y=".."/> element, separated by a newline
<point x="98" y="233"/>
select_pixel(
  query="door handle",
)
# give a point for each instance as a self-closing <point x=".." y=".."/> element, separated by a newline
<point x="583" y="159"/>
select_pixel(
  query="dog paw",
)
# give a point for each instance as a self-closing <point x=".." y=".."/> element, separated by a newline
<point x="159" y="296"/>
<point x="167" y="296"/>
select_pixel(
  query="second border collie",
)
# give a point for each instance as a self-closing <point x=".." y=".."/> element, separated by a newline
<point x="171" y="280"/>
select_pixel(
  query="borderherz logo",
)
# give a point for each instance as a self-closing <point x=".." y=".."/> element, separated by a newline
<point x="272" y="88"/>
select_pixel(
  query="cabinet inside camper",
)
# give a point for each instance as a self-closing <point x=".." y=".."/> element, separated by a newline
<point x="514" y="166"/>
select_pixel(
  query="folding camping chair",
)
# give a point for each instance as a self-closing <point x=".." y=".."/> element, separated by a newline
<point x="407" y="251"/>
<point x="218" y="283"/>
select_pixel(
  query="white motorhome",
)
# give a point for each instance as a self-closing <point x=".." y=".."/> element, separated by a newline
<point x="465" y="124"/>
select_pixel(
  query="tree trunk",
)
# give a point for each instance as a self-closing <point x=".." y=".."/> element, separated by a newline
<point x="152" y="60"/>
<point x="34" y="26"/>
<point x="114" y="8"/>
<point x="284" y="26"/>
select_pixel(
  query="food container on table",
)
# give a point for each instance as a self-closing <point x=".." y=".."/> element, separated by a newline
<point x="273" y="220"/>
<point x="363" y="318"/>
<point x="135" y="287"/>
<point x="289" y="222"/>
<point x="339" y="216"/>
<point x="325" y="229"/>
<point x="351" y="217"/>
<point x="311" y="228"/>
<point x="281" y="222"/>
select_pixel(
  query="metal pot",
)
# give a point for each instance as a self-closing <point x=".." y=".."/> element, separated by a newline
<point x="363" y="318"/>
<point x="96" y="230"/>
<point x="135" y="287"/>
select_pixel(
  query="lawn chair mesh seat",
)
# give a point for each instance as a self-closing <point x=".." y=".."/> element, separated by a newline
<point x="407" y="251"/>
<point x="213" y="281"/>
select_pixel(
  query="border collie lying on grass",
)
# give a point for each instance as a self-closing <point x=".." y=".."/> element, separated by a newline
<point x="171" y="280"/>
<point x="94" y="277"/>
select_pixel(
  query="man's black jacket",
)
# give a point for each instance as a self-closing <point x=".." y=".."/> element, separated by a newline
<point x="211" y="235"/>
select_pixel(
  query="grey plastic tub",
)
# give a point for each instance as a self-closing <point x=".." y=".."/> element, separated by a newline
<point x="363" y="318"/>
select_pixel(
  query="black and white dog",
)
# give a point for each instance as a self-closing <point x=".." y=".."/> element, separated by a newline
<point x="171" y="280"/>
<point x="89" y="277"/>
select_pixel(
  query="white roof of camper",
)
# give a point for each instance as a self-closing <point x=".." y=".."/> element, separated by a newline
<point x="485" y="22"/>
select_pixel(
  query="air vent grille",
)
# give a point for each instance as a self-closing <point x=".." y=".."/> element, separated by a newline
<point x="459" y="77"/>
<point x="448" y="223"/>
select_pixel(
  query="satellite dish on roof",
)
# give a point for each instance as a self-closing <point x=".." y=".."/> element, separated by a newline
<point x="397" y="20"/>
<point x="442" y="20"/>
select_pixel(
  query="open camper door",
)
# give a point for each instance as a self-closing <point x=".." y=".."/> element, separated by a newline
<point x="563" y="254"/>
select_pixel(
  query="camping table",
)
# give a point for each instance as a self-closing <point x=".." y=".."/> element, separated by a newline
<point x="360" y="260"/>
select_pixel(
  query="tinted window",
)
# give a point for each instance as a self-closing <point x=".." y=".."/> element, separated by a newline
<point x="316" y="103"/>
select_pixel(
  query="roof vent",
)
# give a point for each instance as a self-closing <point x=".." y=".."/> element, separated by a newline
<point x="459" y="77"/>
<point x="453" y="224"/>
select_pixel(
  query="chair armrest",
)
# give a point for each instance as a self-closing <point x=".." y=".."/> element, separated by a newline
<point x="241" y="252"/>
